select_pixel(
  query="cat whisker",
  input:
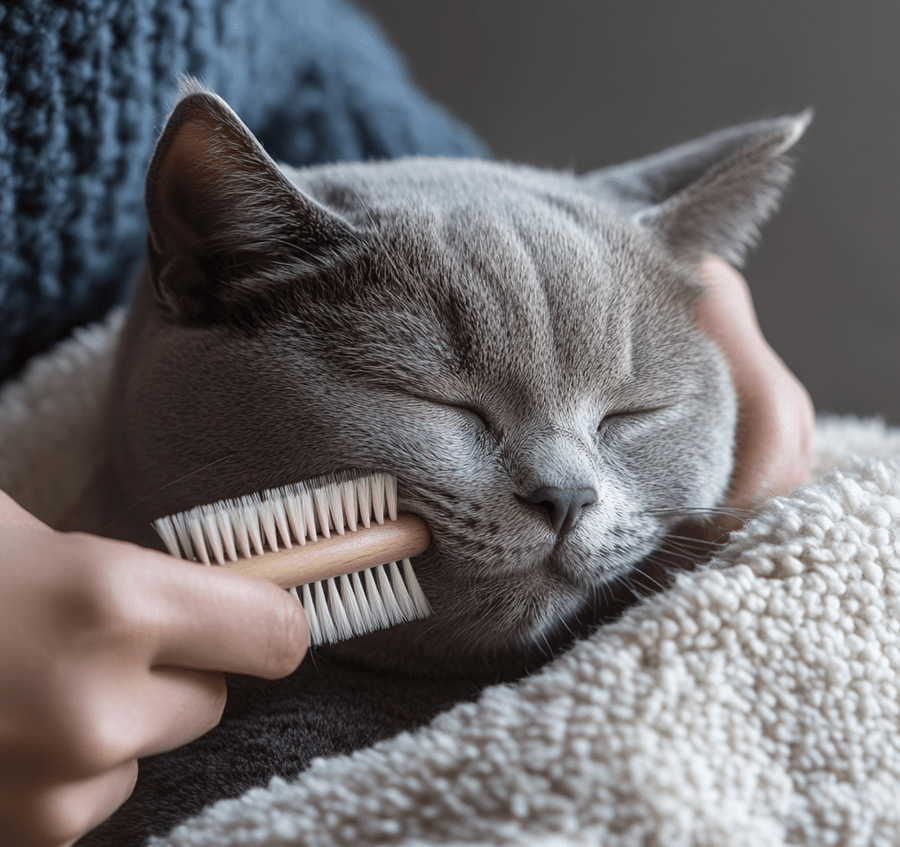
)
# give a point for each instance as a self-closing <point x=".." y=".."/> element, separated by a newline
<point x="699" y="512"/>
<point x="566" y="626"/>
<point x="163" y="488"/>
<point x="689" y="542"/>
<point x="607" y="589"/>
<point x="654" y="580"/>
<point x="632" y="587"/>
<point x="546" y="648"/>
<point x="697" y="547"/>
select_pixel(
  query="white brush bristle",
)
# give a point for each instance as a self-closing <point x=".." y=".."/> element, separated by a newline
<point x="336" y="608"/>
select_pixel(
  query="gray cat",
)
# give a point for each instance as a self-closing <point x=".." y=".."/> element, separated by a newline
<point x="517" y="346"/>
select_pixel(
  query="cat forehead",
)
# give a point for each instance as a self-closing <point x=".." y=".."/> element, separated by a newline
<point x="541" y="236"/>
<point x="528" y="281"/>
<point x="494" y="213"/>
<point x="433" y="182"/>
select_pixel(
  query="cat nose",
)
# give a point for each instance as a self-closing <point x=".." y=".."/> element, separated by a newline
<point x="563" y="505"/>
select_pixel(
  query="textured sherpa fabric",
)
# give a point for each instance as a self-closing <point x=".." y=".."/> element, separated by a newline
<point x="754" y="704"/>
<point x="85" y="86"/>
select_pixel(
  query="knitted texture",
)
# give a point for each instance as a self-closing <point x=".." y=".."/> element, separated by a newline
<point x="84" y="89"/>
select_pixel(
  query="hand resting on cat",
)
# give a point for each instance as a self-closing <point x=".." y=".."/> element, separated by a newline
<point x="776" y="418"/>
<point x="430" y="276"/>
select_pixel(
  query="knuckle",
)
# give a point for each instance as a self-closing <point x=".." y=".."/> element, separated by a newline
<point x="799" y="425"/>
<point x="217" y="701"/>
<point x="98" y="598"/>
<point x="49" y="819"/>
<point x="808" y="420"/>
<point x="98" y="739"/>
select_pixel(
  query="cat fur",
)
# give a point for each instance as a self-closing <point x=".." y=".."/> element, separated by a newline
<point x="487" y="332"/>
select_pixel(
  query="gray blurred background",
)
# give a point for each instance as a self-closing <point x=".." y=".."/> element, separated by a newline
<point x="582" y="84"/>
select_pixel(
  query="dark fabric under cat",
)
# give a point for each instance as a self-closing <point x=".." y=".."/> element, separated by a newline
<point x="274" y="729"/>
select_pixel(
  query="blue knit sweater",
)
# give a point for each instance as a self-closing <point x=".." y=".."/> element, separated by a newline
<point x="85" y="86"/>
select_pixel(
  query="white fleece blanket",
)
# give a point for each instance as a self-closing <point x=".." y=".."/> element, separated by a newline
<point x="757" y="702"/>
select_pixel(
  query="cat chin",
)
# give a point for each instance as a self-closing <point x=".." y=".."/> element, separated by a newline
<point x="533" y="608"/>
<point x="549" y="611"/>
<point x="524" y="634"/>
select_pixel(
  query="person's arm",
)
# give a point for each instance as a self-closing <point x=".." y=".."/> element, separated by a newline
<point x="776" y="416"/>
<point x="110" y="652"/>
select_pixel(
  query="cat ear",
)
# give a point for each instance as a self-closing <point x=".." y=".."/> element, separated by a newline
<point x="224" y="224"/>
<point x="711" y="195"/>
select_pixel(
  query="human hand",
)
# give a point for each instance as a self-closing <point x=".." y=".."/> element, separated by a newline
<point x="776" y="416"/>
<point x="110" y="652"/>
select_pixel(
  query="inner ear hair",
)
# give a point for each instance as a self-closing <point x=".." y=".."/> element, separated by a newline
<point x="711" y="194"/>
<point x="723" y="209"/>
<point x="211" y="184"/>
<point x="224" y="221"/>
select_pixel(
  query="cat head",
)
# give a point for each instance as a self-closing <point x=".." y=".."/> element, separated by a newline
<point x="517" y="346"/>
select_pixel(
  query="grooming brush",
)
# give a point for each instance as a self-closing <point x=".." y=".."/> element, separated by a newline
<point x="339" y="540"/>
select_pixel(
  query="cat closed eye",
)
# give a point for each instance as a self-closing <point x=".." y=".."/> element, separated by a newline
<point x="626" y="414"/>
<point x="476" y="417"/>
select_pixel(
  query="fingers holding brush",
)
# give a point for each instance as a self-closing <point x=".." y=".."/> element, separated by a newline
<point x="109" y="652"/>
<point x="215" y="619"/>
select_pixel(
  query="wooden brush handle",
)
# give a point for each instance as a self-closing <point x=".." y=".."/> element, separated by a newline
<point x="353" y="551"/>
